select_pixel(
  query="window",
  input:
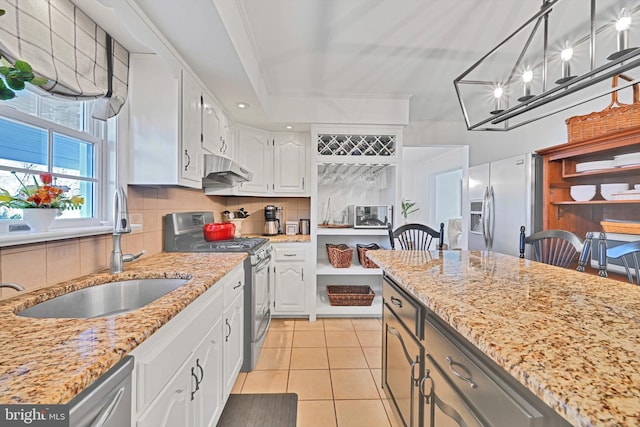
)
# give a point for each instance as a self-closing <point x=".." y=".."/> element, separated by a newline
<point x="43" y="134"/>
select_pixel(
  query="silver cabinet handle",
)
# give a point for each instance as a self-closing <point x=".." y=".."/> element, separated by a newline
<point x="289" y="254"/>
<point x="201" y="370"/>
<point x="238" y="285"/>
<point x="427" y="397"/>
<point x="464" y="377"/>
<point x="396" y="301"/>
<point x="226" y="338"/>
<point x="186" y="153"/>
<point x="193" y="374"/>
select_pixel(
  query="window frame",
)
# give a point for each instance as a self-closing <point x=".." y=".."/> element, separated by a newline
<point x="95" y="133"/>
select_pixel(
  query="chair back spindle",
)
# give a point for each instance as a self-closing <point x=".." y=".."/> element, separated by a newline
<point x="416" y="237"/>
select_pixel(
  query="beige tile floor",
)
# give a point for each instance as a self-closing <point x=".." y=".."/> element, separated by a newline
<point x="334" y="365"/>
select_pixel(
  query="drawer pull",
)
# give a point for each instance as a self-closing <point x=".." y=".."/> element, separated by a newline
<point x="465" y="377"/>
<point x="427" y="396"/>
<point x="193" y="374"/>
<point x="396" y="301"/>
<point x="289" y="254"/>
<point x="238" y="285"/>
<point x="226" y="338"/>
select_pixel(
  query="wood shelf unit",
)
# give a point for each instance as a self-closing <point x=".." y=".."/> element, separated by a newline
<point x="579" y="217"/>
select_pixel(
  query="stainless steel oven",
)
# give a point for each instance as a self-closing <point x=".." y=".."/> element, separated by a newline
<point x="183" y="233"/>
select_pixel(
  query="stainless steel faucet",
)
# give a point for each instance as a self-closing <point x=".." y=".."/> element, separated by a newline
<point x="12" y="286"/>
<point x="120" y="226"/>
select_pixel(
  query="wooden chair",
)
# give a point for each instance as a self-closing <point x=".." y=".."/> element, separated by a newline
<point x="416" y="236"/>
<point x="628" y="253"/>
<point x="556" y="247"/>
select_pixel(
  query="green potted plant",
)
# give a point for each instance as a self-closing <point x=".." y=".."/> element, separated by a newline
<point x="408" y="207"/>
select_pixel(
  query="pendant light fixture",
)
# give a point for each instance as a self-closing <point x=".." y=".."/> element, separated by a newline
<point x="555" y="53"/>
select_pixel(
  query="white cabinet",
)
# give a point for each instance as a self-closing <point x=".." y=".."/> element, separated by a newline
<point x="291" y="275"/>
<point x="233" y="332"/>
<point x="184" y="372"/>
<point x="290" y="164"/>
<point x="164" y="124"/>
<point x="211" y="120"/>
<point x="226" y="136"/>
<point x="255" y="153"/>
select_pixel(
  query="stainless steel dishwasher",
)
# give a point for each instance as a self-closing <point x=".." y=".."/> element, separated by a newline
<point x="106" y="402"/>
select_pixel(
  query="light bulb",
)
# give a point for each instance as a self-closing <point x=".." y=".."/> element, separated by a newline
<point x="497" y="92"/>
<point x="527" y="76"/>
<point x="566" y="53"/>
<point x="624" y="21"/>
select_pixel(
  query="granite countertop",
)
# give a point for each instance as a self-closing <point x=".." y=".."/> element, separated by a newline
<point x="284" y="238"/>
<point x="49" y="361"/>
<point x="571" y="338"/>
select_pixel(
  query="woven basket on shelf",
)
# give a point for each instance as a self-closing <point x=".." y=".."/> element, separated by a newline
<point x="362" y="257"/>
<point x="350" y="295"/>
<point x="339" y="255"/>
<point x="616" y="117"/>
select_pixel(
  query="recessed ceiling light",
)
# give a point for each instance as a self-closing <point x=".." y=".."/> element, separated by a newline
<point x="289" y="127"/>
<point x="242" y="105"/>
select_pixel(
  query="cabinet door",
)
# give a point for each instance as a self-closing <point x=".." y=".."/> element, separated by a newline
<point x="402" y="359"/>
<point x="290" y="166"/>
<point x="191" y="129"/>
<point x="226" y="137"/>
<point x="233" y="342"/>
<point x="209" y="402"/>
<point x="255" y="152"/>
<point x="289" y="288"/>
<point x="211" y="119"/>
<point x="172" y="406"/>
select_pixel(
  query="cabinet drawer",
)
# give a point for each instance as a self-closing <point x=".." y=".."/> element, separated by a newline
<point x="290" y="254"/>
<point x="491" y="397"/>
<point x="407" y="310"/>
<point x="233" y="285"/>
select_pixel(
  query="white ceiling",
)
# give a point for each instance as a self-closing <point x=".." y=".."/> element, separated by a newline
<point x="293" y="60"/>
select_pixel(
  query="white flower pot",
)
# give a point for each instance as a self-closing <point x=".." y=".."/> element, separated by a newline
<point x="39" y="219"/>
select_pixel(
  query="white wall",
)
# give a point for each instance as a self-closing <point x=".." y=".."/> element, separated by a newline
<point x="485" y="146"/>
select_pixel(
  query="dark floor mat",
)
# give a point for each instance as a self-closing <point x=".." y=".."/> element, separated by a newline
<point x="260" y="410"/>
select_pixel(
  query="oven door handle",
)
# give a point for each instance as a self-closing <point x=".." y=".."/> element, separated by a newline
<point x="265" y="329"/>
<point x="259" y="266"/>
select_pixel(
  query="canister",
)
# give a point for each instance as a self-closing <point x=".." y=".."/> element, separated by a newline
<point x="305" y="226"/>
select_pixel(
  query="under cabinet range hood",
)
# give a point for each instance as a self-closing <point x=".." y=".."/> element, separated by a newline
<point x="223" y="172"/>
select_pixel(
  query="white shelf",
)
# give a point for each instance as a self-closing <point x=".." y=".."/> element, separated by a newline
<point x="324" y="309"/>
<point x="325" y="231"/>
<point x="324" y="268"/>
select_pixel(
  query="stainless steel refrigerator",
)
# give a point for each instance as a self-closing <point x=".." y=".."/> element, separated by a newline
<point x="503" y="196"/>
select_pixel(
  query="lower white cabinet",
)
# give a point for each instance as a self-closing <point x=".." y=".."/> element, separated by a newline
<point x="233" y="336"/>
<point x="291" y="274"/>
<point x="184" y="372"/>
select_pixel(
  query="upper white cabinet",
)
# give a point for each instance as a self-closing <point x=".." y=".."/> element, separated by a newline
<point x="165" y="124"/>
<point x="255" y="153"/>
<point x="278" y="162"/>
<point x="211" y="120"/>
<point x="290" y="164"/>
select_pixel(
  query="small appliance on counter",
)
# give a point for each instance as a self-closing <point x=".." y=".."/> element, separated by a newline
<point x="271" y="221"/>
<point x="305" y="226"/>
<point x="369" y="216"/>
<point x="291" y="228"/>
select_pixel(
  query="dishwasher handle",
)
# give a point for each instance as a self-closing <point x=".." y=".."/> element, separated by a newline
<point x="106" y="412"/>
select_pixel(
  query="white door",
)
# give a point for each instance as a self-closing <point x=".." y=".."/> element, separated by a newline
<point x="511" y="207"/>
<point x="209" y="401"/>
<point x="289" y="288"/>
<point x="172" y="406"/>
<point x="289" y="164"/>
<point x="233" y="342"/>
<point x="191" y="129"/>
<point x="478" y="189"/>
<point x="255" y="153"/>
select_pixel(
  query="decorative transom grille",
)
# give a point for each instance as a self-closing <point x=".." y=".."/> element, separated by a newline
<point x="356" y="145"/>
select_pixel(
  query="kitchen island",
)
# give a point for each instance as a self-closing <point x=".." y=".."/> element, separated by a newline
<point x="570" y="338"/>
<point x="49" y="361"/>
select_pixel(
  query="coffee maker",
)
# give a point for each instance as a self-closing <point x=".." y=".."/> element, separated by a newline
<point x="271" y="220"/>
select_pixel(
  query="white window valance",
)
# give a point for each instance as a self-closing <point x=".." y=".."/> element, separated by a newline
<point x="64" y="46"/>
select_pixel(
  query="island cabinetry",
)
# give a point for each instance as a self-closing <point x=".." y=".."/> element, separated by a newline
<point x="181" y="374"/>
<point x="291" y="278"/>
<point x="560" y="210"/>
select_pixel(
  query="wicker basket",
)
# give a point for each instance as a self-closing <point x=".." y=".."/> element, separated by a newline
<point x="616" y="117"/>
<point x="350" y="295"/>
<point x="340" y="256"/>
<point x="362" y="255"/>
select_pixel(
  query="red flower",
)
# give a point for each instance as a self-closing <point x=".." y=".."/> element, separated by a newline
<point x="46" y="178"/>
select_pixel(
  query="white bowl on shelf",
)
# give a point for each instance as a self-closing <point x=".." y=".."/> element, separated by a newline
<point x="582" y="193"/>
<point x="607" y="190"/>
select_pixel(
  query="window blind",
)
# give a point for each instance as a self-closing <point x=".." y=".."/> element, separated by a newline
<point x="66" y="47"/>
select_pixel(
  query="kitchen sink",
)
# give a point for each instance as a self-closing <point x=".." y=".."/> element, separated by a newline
<point x="108" y="299"/>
